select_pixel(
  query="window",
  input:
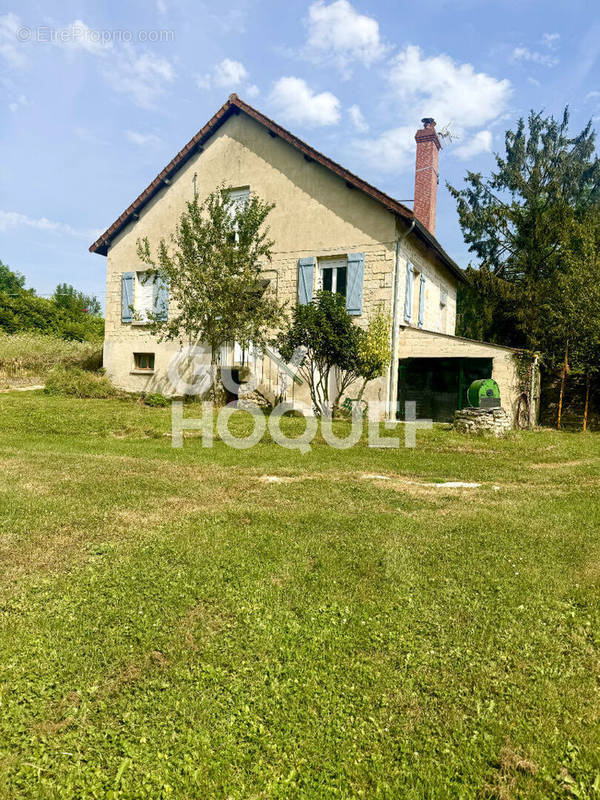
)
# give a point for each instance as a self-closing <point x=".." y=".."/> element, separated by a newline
<point x="239" y="198"/>
<point x="143" y="296"/>
<point x="421" y="318"/>
<point x="408" y="292"/>
<point x="144" y="361"/>
<point x="334" y="275"/>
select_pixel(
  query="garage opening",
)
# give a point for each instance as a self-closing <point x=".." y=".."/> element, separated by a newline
<point x="438" y="385"/>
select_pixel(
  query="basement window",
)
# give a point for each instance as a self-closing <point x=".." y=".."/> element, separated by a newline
<point x="334" y="275"/>
<point x="144" y="362"/>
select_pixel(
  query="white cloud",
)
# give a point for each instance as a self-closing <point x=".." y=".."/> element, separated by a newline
<point x="143" y="139"/>
<point x="11" y="49"/>
<point x="392" y="151"/>
<point x="294" y="101"/>
<point x="338" y="33"/>
<point x="593" y="95"/>
<point x="79" y="36"/>
<point x="357" y="119"/>
<point x="535" y="57"/>
<point x="439" y="87"/>
<point x="227" y="74"/>
<point x="141" y="76"/>
<point x="252" y="91"/>
<point x="434" y="87"/>
<point x="20" y="102"/>
<point x="551" y="40"/>
<point x="12" y="220"/>
<point x="481" y="142"/>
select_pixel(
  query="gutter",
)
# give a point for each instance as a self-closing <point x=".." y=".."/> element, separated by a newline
<point x="392" y="396"/>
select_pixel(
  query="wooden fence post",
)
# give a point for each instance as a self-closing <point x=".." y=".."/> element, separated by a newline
<point x="587" y="399"/>
<point x="562" y="385"/>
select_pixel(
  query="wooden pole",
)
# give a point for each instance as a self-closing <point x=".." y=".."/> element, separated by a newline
<point x="562" y="385"/>
<point x="587" y="400"/>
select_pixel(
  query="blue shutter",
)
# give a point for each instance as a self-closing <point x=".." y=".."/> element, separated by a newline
<point x="127" y="280"/>
<point x="408" y="292"/>
<point x="354" y="289"/>
<point x="306" y="271"/>
<point x="422" y="302"/>
<point x="160" y="299"/>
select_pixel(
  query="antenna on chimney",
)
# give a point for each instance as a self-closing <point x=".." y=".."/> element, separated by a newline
<point x="447" y="134"/>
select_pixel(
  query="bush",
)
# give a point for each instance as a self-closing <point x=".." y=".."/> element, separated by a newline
<point x="33" y="354"/>
<point x="156" y="400"/>
<point x="76" y="382"/>
<point x="26" y="312"/>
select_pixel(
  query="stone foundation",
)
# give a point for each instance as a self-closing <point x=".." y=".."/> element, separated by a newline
<point x="482" y="420"/>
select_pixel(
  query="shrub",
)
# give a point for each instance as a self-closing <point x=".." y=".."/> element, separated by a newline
<point x="156" y="400"/>
<point x="26" y="312"/>
<point x="76" y="382"/>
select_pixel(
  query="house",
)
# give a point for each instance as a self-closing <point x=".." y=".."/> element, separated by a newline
<point x="332" y="230"/>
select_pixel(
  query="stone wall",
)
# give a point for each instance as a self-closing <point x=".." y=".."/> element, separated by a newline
<point x="483" y="420"/>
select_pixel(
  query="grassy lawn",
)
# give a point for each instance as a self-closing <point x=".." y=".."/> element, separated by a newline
<point x="177" y="623"/>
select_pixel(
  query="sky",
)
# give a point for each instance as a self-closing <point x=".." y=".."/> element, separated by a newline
<point x="97" y="97"/>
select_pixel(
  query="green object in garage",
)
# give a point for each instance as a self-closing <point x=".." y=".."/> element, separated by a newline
<point x="484" y="394"/>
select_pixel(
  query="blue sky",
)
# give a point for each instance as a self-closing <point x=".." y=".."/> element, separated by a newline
<point x="97" y="97"/>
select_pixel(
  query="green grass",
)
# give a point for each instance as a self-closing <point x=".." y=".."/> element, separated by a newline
<point x="173" y="625"/>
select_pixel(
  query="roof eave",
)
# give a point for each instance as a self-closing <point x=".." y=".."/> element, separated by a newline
<point x="432" y="242"/>
<point x="235" y="105"/>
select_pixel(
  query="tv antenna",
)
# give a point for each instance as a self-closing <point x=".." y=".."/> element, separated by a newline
<point x="446" y="134"/>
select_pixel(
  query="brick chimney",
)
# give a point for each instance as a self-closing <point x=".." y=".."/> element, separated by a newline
<point x="426" y="173"/>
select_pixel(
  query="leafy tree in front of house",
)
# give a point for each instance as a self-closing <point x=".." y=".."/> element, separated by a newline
<point x="212" y="264"/>
<point x="374" y="351"/>
<point x="335" y="347"/>
<point x="330" y="341"/>
<point x="519" y="222"/>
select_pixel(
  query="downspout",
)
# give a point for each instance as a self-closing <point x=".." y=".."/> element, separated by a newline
<point x="395" y="325"/>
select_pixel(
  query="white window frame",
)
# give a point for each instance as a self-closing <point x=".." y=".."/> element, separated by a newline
<point x="339" y="262"/>
<point x="143" y="297"/>
<point x="239" y="197"/>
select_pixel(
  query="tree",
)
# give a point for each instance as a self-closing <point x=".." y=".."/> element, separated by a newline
<point x="76" y="302"/>
<point x="212" y="265"/>
<point x="573" y="306"/>
<point x="519" y="223"/>
<point x="374" y="352"/>
<point x="13" y="283"/>
<point x="330" y="341"/>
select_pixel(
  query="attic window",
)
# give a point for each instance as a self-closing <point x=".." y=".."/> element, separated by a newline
<point x="239" y="198"/>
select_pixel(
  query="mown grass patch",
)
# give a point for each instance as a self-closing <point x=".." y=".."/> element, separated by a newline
<point x="174" y="623"/>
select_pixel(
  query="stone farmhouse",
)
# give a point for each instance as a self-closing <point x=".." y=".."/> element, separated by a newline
<point x="332" y="230"/>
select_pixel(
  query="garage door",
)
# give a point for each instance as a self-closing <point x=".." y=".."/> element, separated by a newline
<point x="438" y="385"/>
